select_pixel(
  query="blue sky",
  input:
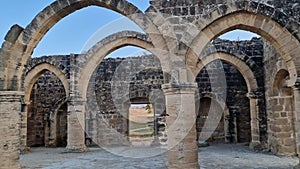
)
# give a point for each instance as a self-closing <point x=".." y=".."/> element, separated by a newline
<point x="73" y="33"/>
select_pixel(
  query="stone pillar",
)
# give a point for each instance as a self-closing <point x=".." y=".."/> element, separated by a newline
<point x="76" y="126"/>
<point x="76" y="111"/>
<point x="23" y="128"/>
<point x="181" y="125"/>
<point x="52" y="130"/>
<point x="231" y="132"/>
<point x="255" y="136"/>
<point x="10" y="111"/>
<point x="296" y="90"/>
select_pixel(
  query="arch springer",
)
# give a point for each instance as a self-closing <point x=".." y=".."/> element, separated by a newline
<point x="255" y="94"/>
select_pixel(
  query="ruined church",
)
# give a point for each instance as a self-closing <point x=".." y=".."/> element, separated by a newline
<point x="201" y="89"/>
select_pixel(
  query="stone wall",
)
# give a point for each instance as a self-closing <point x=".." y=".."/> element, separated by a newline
<point x="280" y="104"/>
<point x="206" y="126"/>
<point x="45" y="101"/>
<point x="62" y="62"/>
<point x="196" y="7"/>
<point x="107" y="118"/>
<point x="10" y="103"/>
<point x="141" y="78"/>
<point x="235" y="97"/>
<point x="277" y="20"/>
<point x="139" y="81"/>
<point x="289" y="7"/>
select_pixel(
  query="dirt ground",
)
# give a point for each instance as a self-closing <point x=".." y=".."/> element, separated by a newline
<point x="219" y="156"/>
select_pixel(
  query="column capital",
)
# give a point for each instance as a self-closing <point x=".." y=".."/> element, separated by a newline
<point x="75" y="105"/>
<point x="179" y="88"/>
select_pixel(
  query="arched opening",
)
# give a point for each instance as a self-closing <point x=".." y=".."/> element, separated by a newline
<point x="116" y="87"/>
<point x="230" y="121"/>
<point x="45" y="112"/>
<point x="249" y="60"/>
<point x="66" y="31"/>
<point x="260" y="24"/>
<point x="238" y="35"/>
<point x="280" y="106"/>
<point x="47" y="18"/>
<point x="263" y="53"/>
<point x="280" y="80"/>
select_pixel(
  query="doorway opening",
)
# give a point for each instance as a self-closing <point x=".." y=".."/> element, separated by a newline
<point x="141" y="124"/>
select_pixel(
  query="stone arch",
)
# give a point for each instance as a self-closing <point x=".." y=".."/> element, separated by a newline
<point x="98" y="52"/>
<point x="30" y="78"/>
<point x="280" y="79"/>
<point x="58" y="61"/>
<point x="251" y="83"/>
<point x="280" y="70"/>
<point x="242" y="67"/>
<point x="89" y="62"/>
<point x="228" y="48"/>
<point x="33" y="75"/>
<point x="281" y="35"/>
<point x="100" y="91"/>
<point x="20" y="46"/>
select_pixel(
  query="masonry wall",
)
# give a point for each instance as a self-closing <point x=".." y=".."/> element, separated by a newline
<point x="141" y="78"/>
<point x="191" y="10"/>
<point x="10" y="104"/>
<point x="281" y="137"/>
<point x="107" y="126"/>
<point x="196" y="7"/>
<point x="280" y="104"/>
<point x="139" y="81"/>
<point x="235" y="97"/>
<point x="45" y="99"/>
<point x="206" y="126"/>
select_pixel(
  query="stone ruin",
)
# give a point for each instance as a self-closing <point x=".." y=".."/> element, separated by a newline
<point x="251" y="87"/>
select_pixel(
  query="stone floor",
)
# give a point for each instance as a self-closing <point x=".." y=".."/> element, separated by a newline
<point x="220" y="156"/>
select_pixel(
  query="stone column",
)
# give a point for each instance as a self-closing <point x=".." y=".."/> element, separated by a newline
<point x="10" y="111"/>
<point x="181" y="125"/>
<point x="296" y="90"/>
<point x="23" y="128"/>
<point x="76" y="111"/>
<point x="76" y="126"/>
<point x="52" y="129"/>
<point x="255" y="136"/>
<point x="229" y="121"/>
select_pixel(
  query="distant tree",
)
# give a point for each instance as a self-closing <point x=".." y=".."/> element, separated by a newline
<point x="149" y="108"/>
